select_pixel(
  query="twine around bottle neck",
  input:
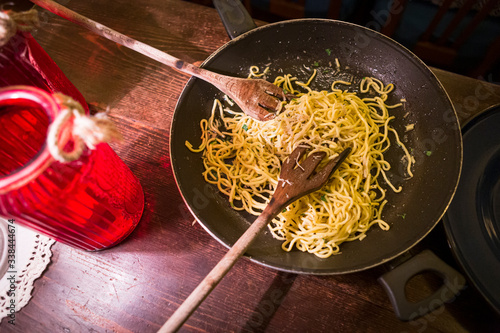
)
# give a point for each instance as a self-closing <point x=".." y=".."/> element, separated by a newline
<point x="11" y="22"/>
<point x="85" y="131"/>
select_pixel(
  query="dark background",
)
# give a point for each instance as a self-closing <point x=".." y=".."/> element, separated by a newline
<point x="416" y="16"/>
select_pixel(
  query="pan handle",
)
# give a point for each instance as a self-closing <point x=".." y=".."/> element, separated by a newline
<point x="234" y="16"/>
<point x="394" y="283"/>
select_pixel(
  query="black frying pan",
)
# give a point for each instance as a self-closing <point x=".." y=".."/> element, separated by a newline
<point x="293" y="47"/>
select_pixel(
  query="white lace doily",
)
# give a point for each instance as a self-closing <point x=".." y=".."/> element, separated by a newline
<point x="32" y="255"/>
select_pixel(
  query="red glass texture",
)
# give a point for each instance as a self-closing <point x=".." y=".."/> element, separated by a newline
<point x="24" y="62"/>
<point x="91" y="204"/>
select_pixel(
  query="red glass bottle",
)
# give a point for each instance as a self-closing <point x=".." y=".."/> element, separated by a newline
<point x="24" y="62"/>
<point x="91" y="203"/>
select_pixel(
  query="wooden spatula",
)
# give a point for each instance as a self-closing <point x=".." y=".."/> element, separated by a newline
<point x="257" y="98"/>
<point x="296" y="180"/>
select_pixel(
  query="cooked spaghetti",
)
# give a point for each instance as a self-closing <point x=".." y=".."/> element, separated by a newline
<point x="243" y="156"/>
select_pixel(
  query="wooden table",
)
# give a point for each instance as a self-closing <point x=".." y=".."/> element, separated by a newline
<point x="136" y="286"/>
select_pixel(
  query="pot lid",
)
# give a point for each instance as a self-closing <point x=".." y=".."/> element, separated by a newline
<point x="472" y="222"/>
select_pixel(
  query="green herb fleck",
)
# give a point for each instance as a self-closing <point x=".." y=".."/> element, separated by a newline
<point x="245" y="127"/>
<point x="285" y="91"/>
<point x="284" y="210"/>
<point x="428" y="152"/>
<point x="316" y="64"/>
<point x="323" y="197"/>
<point x="403" y="216"/>
<point x="328" y="51"/>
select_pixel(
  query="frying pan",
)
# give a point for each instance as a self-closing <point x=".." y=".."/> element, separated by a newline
<point x="296" y="47"/>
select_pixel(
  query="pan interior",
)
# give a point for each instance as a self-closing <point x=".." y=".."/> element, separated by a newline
<point x="296" y="47"/>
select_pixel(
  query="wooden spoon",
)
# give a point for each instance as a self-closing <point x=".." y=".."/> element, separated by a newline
<point x="296" y="180"/>
<point x="255" y="97"/>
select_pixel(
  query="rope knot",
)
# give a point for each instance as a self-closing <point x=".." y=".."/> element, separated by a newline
<point x="86" y="131"/>
<point x="11" y="22"/>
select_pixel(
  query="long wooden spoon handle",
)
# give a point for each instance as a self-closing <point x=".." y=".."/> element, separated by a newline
<point x="129" y="42"/>
<point x="219" y="271"/>
<point x="292" y="184"/>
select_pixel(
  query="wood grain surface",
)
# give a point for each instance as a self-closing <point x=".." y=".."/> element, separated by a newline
<point x="137" y="285"/>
